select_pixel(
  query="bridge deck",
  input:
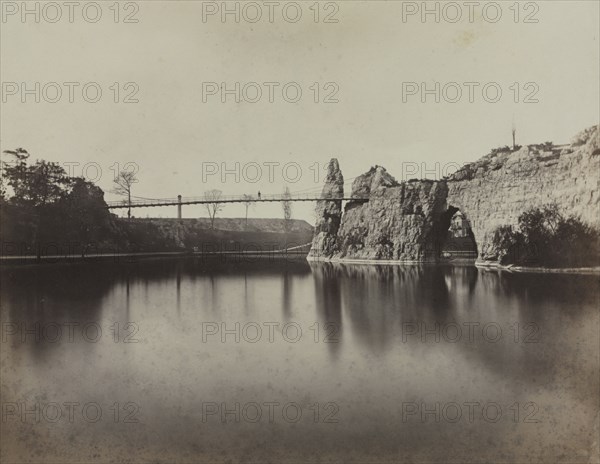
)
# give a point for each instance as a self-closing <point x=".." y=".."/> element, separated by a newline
<point x="223" y="199"/>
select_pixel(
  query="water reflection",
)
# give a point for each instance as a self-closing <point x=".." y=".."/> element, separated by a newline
<point x="328" y="302"/>
<point x="488" y="315"/>
<point x="395" y="337"/>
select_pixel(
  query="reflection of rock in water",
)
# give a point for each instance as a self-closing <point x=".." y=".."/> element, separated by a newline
<point x="379" y="299"/>
<point x="328" y="298"/>
<point x="381" y="303"/>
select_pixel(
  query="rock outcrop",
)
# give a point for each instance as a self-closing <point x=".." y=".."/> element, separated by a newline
<point x="407" y="221"/>
<point x="328" y="213"/>
<point x="397" y="223"/>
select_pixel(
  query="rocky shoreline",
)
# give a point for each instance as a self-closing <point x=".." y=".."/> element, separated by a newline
<point x="481" y="265"/>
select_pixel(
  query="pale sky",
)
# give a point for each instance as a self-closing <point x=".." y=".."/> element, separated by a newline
<point x="368" y="55"/>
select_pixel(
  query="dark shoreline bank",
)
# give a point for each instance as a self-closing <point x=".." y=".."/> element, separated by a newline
<point x="292" y="255"/>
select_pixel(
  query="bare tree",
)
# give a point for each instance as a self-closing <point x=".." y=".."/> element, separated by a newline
<point x="124" y="183"/>
<point x="213" y="206"/>
<point x="287" y="209"/>
<point x="248" y="202"/>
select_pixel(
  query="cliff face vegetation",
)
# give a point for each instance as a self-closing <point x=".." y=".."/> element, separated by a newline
<point x="408" y="221"/>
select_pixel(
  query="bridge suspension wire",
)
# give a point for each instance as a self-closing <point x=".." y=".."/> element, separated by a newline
<point x="317" y="190"/>
<point x="226" y="199"/>
<point x="153" y="199"/>
<point x="307" y="194"/>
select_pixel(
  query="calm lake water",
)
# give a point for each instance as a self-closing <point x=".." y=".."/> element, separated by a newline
<point x="275" y="361"/>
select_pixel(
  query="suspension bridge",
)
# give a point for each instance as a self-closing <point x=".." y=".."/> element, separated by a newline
<point x="180" y="201"/>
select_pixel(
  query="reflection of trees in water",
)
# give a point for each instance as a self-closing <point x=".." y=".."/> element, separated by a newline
<point x="543" y="289"/>
<point x="36" y="293"/>
<point x="556" y="312"/>
<point x="51" y="296"/>
<point x="178" y="292"/>
<point x="74" y="293"/>
<point x="286" y="304"/>
<point x="563" y="308"/>
<point x="174" y="272"/>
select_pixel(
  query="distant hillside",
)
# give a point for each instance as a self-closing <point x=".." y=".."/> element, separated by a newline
<point x="229" y="234"/>
<point x="238" y="224"/>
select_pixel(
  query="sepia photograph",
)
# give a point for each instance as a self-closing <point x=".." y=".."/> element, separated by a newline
<point x="300" y="232"/>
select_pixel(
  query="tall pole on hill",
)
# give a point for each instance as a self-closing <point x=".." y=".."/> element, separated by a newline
<point x="514" y="131"/>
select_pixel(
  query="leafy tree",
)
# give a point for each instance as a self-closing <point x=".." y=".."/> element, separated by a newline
<point x="576" y="243"/>
<point x="20" y="155"/>
<point x="510" y="245"/>
<point x="44" y="207"/>
<point x="538" y="227"/>
<point x="36" y="188"/>
<point x="549" y="238"/>
<point x="87" y="219"/>
<point x="535" y="223"/>
<point x="36" y="185"/>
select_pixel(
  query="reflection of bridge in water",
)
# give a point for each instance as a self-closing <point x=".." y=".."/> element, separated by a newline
<point x="180" y="201"/>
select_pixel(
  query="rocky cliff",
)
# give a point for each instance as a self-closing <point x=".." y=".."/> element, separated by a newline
<point x="400" y="221"/>
<point x="496" y="189"/>
<point x="407" y="221"/>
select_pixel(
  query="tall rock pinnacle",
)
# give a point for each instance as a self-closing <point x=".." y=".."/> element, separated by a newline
<point x="329" y="214"/>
